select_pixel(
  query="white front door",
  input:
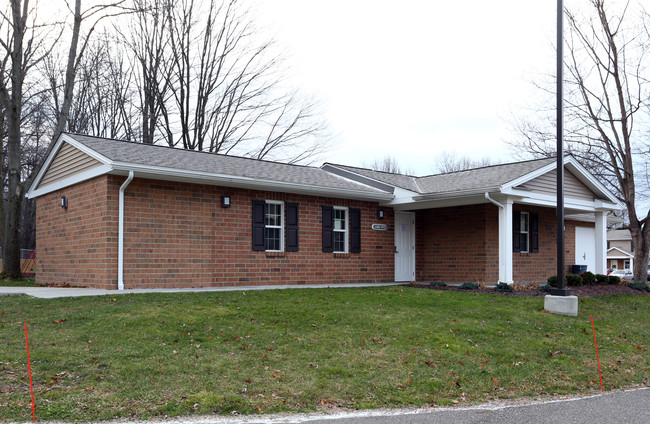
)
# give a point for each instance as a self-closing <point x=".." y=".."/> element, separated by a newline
<point x="404" y="246"/>
<point x="586" y="247"/>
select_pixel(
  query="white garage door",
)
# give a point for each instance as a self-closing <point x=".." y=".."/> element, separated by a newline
<point x="586" y="247"/>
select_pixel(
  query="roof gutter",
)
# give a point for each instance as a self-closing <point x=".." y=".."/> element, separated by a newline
<point x="120" y="239"/>
<point x="169" y="174"/>
<point x="453" y="194"/>
<point x="491" y="200"/>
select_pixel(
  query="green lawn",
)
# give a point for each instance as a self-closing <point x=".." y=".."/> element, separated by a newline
<point x="301" y="350"/>
<point x="21" y="282"/>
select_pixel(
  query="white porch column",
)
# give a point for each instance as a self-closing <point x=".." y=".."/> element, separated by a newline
<point x="601" y="243"/>
<point x="505" y="242"/>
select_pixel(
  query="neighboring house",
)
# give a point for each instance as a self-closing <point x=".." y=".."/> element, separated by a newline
<point x="119" y="214"/>
<point x="620" y="251"/>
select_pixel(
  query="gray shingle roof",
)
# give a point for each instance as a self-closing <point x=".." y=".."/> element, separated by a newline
<point x="488" y="177"/>
<point x="406" y="182"/>
<point x="170" y="158"/>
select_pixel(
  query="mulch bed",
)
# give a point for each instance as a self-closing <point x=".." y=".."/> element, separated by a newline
<point x="582" y="291"/>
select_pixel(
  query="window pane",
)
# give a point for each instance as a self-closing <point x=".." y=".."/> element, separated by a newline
<point x="339" y="219"/>
<point x="272" y="238"/>
<point x="273" y="214"/>
<point x="339" y="241"/>
<point x="523" y="242"/>
<point x="524" y="222"/>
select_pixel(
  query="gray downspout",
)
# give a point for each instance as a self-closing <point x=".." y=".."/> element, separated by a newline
<point x="120" y="239"/>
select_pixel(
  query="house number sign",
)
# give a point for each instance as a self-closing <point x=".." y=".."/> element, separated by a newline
<point x="379" y="227"/>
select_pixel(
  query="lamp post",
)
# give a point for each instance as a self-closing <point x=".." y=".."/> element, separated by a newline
<point x="561" y="289"/>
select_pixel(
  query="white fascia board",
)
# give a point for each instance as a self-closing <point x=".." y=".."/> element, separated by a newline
<point x="569" y="203"/>
<point x="63" y="138"/>
<point x="401" y="197"/>
<point x="45" y="167"/>
<point x="90" y="152"/>
<point x="74" y="179"/>
<point x="579" y="172"/>
<point x="454" y="194"/>
<point x="530" y="176"/>
<point x="589" y="180"/>
<point x="441" y="203"/>
<point x="358" y="178"/>
<point x="622" y="253"/>
<point x="146" y="171"/>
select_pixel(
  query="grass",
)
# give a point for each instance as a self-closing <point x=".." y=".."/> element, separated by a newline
<point x="20" y="282"/>
<point x="141" y="356"/>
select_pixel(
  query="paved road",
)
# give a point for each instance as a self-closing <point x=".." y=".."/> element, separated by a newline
<point x="622" y="407"/>
<point x="629" y="407"/>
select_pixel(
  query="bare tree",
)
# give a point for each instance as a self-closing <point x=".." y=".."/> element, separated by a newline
<point x="207" y="84"/>
<point x="23" y="48"/>
<point x="95" y="14"/>
<point x="25" y="42"/>
<point x="387" y="164"/>
<point x="607" y="117"/>
<point x="447" y="162"/>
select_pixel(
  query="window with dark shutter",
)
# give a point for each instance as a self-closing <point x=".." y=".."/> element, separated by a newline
<point x="328" y="228"/>
<point x="355" y="230"/>
<point x="516" y="231"/>
<point x="292" y="227"/>
<point x="534" y="233"/>
<point x="258" y="225"/>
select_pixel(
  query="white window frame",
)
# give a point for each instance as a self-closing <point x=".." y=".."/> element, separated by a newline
<point x="281" y="226"/>
<point x="345" y="231"/>
<point x="626" y="264"/>
<point x="526" y="231"/>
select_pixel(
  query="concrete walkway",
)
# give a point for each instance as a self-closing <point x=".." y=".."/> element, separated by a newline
<point x="53" y="292"/>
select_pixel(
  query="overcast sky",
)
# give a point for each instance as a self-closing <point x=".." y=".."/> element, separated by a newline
<point x="412" y="78"/>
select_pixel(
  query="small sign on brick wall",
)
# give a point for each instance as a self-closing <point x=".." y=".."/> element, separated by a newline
<point x="379" y="227"/>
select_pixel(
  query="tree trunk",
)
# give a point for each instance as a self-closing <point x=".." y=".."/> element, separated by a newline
<point x="13" y="110"/>
<point x="70" y="73"/>
<point x="641" y="243"/>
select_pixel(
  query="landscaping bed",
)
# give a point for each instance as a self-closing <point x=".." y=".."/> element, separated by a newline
<point x="580" y="291"/>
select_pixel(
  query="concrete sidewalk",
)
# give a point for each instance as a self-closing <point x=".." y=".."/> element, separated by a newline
<point x="53" y="292"/>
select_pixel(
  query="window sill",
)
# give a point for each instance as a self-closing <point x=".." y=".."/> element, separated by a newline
<point x="274" y="254"/>
<point x="341" y="255"/>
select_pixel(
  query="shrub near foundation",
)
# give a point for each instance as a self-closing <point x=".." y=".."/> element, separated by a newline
<point x="639" y="286"/>
<point x="602" y="279"/>
<point x="613" y="280"/>
<point x="573" y="280"/>
<point x="588" y="278"/>
<point x="504" y="287"/>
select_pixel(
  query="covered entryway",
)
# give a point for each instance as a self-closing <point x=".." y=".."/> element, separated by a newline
<point x="404" y="246"/>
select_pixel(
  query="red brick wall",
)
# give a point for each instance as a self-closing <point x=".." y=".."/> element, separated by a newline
<point x="78" y="245"/>
<point x="459" y="244"/>
<point x="177" y="235"/>
<point x="537" y="267"/>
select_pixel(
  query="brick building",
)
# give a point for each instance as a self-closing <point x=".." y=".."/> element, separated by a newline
<point x="127" y="215"/>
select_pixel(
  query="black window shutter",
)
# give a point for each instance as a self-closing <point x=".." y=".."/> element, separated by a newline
<point x="355" y="230"/>
<point x="292" y="227"/>
<point x="534" y="233"/>
<point x="258" y="225"/>
<point x="328" y="229"/>
<point x="516" y="231"/>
